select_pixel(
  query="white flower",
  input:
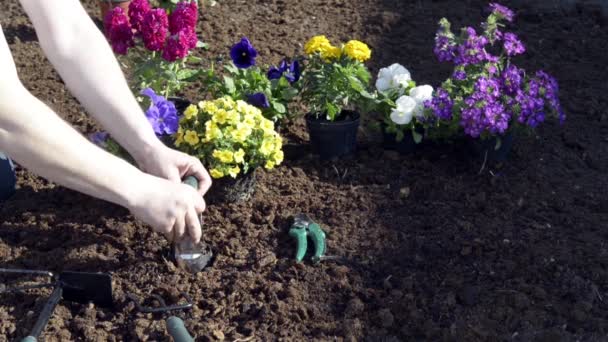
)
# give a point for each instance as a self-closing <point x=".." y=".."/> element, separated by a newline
<point x="421" y="94"/>
<point x="393" y="77"/>
<point x="403" y="113"/>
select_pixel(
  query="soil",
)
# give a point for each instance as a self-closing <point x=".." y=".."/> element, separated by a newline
<point x="436" y="247"/>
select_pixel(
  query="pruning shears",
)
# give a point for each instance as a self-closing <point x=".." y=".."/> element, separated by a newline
<point x="302" y="229"/>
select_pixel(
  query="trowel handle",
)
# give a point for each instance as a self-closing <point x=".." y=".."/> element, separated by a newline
<point x="177" y="330"/>
<point x="299" y="234"/>
<point x="45" y="315"/>
<point x="192" y="181"/>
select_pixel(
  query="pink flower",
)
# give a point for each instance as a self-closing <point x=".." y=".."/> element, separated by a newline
<point x="183" y="17"/>
<point x="154" y="29"/>
<point x="118" y="30"/>
<point x="137" y="11"/>
<point x="177" y="46"/>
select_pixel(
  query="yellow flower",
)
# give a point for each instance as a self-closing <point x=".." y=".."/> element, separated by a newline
<point x="215" y="173"/>
<point x="267" y="125"/>
<point x="232" y="116"/>
<point x="317" y="44"/>
<point x="278" y="156"/>
<point x="249" y="120"/>
<point x="220" y="116"/>
<point x="208" y="107"/>
<point x="331" y="52"/>
<point x="267" y="147"/>
<point x="357" y="50"/>
<point x="241" y="132"/>
<point x="190" y="112"/>
<point x="191" y="137"/>
<point x="179" y="138"/>
<point x="212" y="131"/>
<point x="234" y="171"/>
<point x="269" y="164"/>
<point x="224" y="156"/>
<point x="239" y="156"/>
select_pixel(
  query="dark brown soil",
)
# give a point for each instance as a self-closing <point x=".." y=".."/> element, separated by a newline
<point x="435" y="251"/>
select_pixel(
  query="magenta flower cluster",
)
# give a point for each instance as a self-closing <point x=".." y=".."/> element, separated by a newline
<point x="172" y="35"/>
<point x="487" y="92"/>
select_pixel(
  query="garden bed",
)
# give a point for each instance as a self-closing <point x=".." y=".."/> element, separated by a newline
<point x="435" y="250"/>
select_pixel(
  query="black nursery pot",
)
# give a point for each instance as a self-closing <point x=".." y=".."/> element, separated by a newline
<point x="180" y="104"/>
<point x="481" y="148"/>
<point x="407" y="145"/>
<point x="230" y="190"/>
<point x="333" y="139"/>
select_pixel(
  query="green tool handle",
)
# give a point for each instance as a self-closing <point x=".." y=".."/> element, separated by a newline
<point x="299" y="234"/>
<point x="317" y="235"/>
<point x="45" y="315"/>
<point x="177" y="330"/>
<point x="192" y="181"/>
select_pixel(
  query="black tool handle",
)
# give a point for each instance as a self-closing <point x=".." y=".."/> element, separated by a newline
<point x="192" y="181"/>
<point x="45" y="315"/>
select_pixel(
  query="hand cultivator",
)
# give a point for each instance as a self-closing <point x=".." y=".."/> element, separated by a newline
<point x="76" y="287"/>
<point x="175" y="325"/>
<point x="304" y="228"/>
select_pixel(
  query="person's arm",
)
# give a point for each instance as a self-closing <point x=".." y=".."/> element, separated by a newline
<point x="83" y="58"/>
<point x="36" y="138"/>
<point x="85" y="61"/>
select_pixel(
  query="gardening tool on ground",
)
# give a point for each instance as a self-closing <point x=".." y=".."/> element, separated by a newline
<point x="304" y="228"/>
<point x="190" y="256"/>
<point x="79" y="287"/>
<point x="175" y="325"/>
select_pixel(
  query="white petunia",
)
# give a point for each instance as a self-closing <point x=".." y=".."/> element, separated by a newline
<point x="403" y="113"/>
<point x="392" y="77"/>
<point x="421" y="94"/>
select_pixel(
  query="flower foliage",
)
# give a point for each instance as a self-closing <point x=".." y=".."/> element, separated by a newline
<point x="231" y="137"/>
<point x="269" y="89"/>
<point x="335" y="77"/>
<point x="157" y="43"/>
<point x="488" y="94"/>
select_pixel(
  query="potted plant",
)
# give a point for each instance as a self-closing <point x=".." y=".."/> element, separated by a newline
<point x="488" y="97"/>
<point x="269" y="89"/>
<point x="400" y="104"/>
<point x="156" y="45"/>
<point x="233" y="139"/>
<point x="335" y="81"/>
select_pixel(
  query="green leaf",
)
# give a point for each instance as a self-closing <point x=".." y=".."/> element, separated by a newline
<point x="417" y="137"/>
<point x="229" y="84"/>
<point x="202" y="45"/>
<point x="187" y="74"/>
<point x="279" y="107"/>
<point x="194" y="59"/>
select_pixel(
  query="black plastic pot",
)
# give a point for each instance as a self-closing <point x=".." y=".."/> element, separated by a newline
<point x="180" y="104"/>
<point x="331" y="139"/>
<point x="407" y="145"/>
<point x="231" y="190"/>
<point x="486" y="148"/>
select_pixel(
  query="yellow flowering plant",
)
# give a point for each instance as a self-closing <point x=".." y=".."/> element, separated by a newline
<point x="335" y="77"/>
<point x="231" y="137"/>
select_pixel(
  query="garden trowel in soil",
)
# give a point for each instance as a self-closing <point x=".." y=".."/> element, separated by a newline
<point x="305" y="228"/>
<point x="189" y="256"/>
<point x="79" y="287"/>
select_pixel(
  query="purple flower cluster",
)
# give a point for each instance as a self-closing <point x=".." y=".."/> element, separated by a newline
<point x="174" y="35"/>
<point x="290" y="71"/>
<point x="118" y="30"/>
<point x="161" y="114"/>
<point x="441" y="104"/>
<point x="513" y="46"/>
<point x="502" y="11"/>
<point x="487" y="93"/>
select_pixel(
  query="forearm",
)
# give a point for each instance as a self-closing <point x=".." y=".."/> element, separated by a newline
<point x="35" y="137"/>
<point x="83" y="58"/>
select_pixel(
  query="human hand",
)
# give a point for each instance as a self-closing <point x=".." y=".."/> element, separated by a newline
<point x="170" y="208"/>
<point x="164" y="162"/>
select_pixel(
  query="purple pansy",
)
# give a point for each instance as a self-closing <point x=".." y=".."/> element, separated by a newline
<point x="161" y="114"/>
<point x="259" y="100"/>
<point x="290" y="71"/>
<point x="243" y="54"/>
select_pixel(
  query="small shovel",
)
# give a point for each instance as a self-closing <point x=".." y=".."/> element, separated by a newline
<point x="79" y="287"/>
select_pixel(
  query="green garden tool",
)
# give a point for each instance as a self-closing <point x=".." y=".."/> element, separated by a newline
<point x="302" y="229"/>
